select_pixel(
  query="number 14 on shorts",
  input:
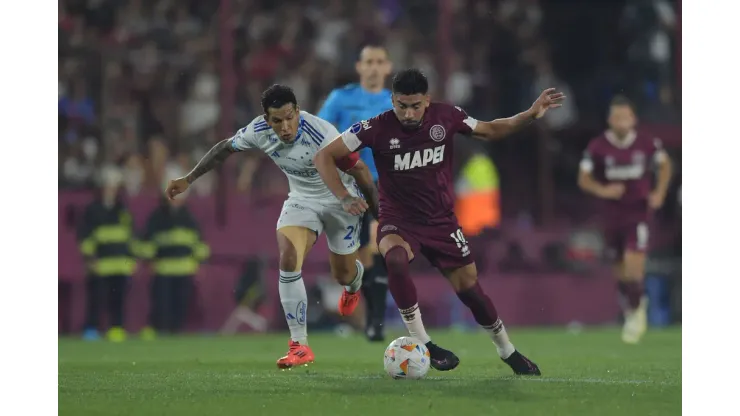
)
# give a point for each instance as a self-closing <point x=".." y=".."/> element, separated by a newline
<point x="461" y="242"/>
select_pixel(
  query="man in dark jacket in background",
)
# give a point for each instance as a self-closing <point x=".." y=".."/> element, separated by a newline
<point x="106" y="239"/>
<point x="174" y="245"/>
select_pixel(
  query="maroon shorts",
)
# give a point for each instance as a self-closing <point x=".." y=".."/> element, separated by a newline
<point x="444" y="245"/>
<point x="632" y="236"/>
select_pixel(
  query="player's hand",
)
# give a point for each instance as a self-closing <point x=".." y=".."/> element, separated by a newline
<point x="176" y="187"/>
<point x="354" y="205"/>
<point x="549" y="98"/>
<point x="656" y="199"/>
<point x="613" y="191"/>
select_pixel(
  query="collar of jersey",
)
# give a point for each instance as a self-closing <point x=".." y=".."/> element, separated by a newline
<point x="621" y="144"/>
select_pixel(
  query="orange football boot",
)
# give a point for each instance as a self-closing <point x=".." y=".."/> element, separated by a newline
<point x="348" y="302"/>
<point x="298" y="355"/>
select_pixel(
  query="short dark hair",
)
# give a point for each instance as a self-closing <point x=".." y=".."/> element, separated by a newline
<point x="277" y="96"/>
<point x="371" y="45"/>
<point x="409" y="82"/>
<point x="621" y="100"/>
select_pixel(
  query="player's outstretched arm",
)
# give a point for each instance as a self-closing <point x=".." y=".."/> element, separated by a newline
<point x="364" y="179"/>
<point x="212" y="159"/>
<point x="326" y="163"/>
<point x="215" y="157"/>
<point x="500" y="128"/>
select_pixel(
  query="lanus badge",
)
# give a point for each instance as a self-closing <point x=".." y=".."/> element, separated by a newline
<point x="437" y="133"/>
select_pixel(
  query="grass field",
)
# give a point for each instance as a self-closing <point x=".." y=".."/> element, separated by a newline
<point x="591" y="373"/>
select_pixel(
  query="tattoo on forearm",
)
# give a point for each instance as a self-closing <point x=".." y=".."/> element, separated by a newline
<point x="215" y="157"/>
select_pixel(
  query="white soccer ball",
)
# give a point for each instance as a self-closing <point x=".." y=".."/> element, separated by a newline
<point x="406" y="357"/>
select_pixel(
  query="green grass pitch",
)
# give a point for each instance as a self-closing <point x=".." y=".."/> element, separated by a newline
<point x="591" y="373"/>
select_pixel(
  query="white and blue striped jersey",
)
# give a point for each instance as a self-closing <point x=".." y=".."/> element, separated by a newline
<point x="296" y="158"/>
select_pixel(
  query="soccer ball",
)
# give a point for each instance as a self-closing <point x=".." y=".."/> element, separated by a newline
<point x="406" y="357"/>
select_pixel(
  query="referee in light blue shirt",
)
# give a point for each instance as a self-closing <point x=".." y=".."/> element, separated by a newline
<point x="344" y="107"/>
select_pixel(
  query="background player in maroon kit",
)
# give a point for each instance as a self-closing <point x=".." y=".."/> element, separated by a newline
<point x="617" y="166"/>
<point x="412" y="147"/>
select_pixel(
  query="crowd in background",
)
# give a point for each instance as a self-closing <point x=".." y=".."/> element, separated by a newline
<point x="139" y="80"/>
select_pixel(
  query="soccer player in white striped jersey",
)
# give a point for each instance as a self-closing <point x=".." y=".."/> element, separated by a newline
<point x="291" y="138"/>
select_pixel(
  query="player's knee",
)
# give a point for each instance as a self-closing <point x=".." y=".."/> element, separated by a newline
<point x="288" y="258"/>
<point x="634" y="266"/>
<point x="396" y="259"/>
<point x="634" y="272"/>
<point x="464" y="282"/>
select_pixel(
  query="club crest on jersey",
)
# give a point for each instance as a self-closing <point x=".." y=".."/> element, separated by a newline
<point x="437" y="133"/>
<point x="395" y="143"/>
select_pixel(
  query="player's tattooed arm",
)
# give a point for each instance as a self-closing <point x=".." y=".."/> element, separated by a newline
<point x="500" y="128"/>
<point x="214" y="158"/>
<point x="364" y="179"/>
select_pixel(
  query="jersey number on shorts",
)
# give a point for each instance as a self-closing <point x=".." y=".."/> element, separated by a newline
<point x="461" y="242"/>
<point x="643" y="234"/>
<point x="351" y="229"/>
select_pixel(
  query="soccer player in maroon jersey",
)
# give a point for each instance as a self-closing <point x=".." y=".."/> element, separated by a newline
<point x="617" y="167"/>
<point x="412" y="146"/>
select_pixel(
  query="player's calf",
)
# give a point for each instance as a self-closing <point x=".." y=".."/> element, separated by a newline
<point x="292" y="242"/>
<point x="632" y="289"/>
<point x="486" y="315"/>
<point x="403" y="291"/>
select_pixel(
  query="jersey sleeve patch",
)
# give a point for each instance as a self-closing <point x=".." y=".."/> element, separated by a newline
<point x="357" y="135"/>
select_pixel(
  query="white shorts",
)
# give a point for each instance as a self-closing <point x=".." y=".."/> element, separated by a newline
<point x="342" y="229"/>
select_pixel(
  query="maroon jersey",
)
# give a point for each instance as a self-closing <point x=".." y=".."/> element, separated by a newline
<point x="415" y="179"/>
<point x="629" y="161"/>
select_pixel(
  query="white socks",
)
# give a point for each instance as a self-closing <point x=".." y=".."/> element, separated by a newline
<point x="356" y="284"/>
<point x="295" y="301"/>
<point x="412" y="320"/>
<point x="500" y="338"/>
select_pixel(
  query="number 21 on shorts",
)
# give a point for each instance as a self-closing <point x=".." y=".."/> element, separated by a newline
<point x="461" y="242"/>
